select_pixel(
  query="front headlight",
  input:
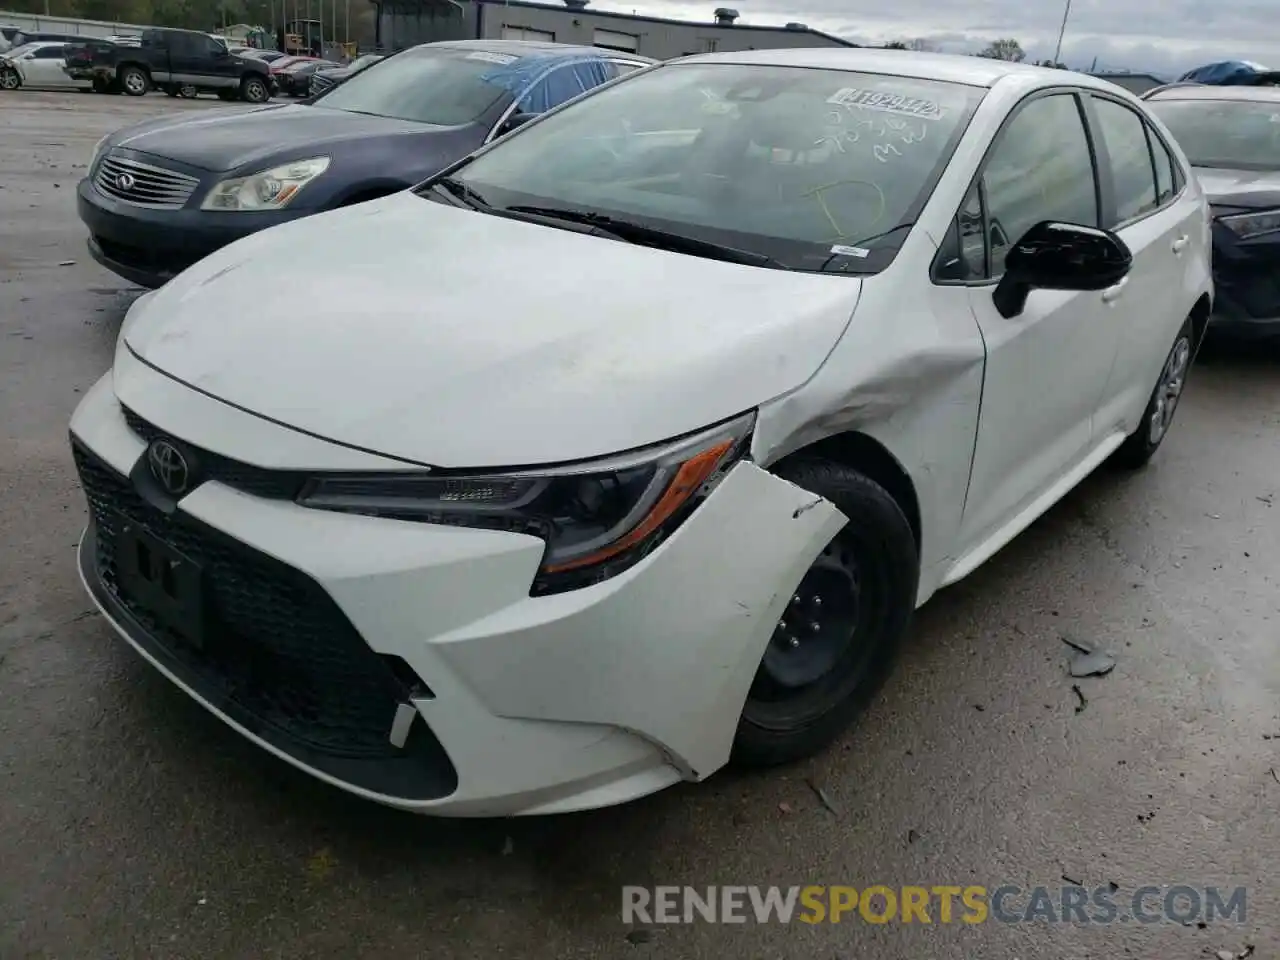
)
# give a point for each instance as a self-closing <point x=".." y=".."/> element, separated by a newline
<point x="597" y="519"/>
<point x="97" y="151"/>
<point x="269" y="190"/>
<point x="1249" y="225"/>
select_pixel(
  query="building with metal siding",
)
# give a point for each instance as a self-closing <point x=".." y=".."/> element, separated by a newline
<point x="404" y="23"/>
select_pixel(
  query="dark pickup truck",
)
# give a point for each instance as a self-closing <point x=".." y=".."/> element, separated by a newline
<point x="176" y="61"/>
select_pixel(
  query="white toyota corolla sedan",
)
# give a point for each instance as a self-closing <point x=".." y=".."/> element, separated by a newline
<point x="628" y="446"/>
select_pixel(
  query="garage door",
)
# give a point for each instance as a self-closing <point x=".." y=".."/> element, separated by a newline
<point x="612" y="40"/>
<point x="524" y="33"/>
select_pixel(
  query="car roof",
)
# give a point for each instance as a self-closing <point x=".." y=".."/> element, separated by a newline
<point x="1206" y="91"/>
<point x="946" y="67"/>
<point x="534" y="48"/>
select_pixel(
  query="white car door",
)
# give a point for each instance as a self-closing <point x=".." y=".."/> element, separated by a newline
<point x="1047" y="367"/>
<point x="44" y="69"/>
<point x="1162" y="223"/>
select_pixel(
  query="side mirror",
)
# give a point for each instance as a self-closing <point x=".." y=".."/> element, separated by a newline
<point x="517" y="119"/>
<point x="1060" y="256"/>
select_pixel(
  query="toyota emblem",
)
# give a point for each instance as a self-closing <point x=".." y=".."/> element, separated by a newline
<point x="169" y="466"/>
<point x="125" y="181"/>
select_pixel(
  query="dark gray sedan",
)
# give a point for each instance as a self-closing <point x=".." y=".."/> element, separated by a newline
<point x="168" y="192"/>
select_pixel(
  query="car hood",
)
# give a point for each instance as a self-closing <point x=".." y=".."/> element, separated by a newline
<point x="1240" y="188"/>
<point x="227" y="140"/>
<point x="452" y="338"/>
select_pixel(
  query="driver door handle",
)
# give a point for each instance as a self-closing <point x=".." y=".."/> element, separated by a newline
<point x="1181" y="243"/>
<point x="1112" y="294"/>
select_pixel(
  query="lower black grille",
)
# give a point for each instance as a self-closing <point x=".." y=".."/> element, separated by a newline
<point x="142" y="258"/>
<point x="276" y="653"/>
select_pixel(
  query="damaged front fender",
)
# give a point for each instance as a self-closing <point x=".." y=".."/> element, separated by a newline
<point x="669" y="649"/>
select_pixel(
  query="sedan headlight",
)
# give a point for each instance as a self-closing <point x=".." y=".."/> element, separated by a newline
<point x="597" y="519"/>
<point x="269" y="190"/>
<point x="97" y="151"/>
<point x="1249" y="225"/>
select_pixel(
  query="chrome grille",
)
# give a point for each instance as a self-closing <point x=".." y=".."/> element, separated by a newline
<point x="319" y="83"/>
<point x="143" y="184"/>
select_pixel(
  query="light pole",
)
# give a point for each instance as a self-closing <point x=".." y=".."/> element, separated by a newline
<point x="1066" y="14"/>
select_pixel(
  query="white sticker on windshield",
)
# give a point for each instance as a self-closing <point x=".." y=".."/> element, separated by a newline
<point x="502" y="58"/>
<point x="842" y="251"/>
<point x="885" y="102"/>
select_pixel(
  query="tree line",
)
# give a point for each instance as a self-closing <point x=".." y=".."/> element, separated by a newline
<point x="1006" y="48"/>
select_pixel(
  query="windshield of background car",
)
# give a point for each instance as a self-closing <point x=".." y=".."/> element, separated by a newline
<point x="16" y="52"/>
<point x="815" y="169"/>
<point x="440" y="85"/>
<point x="1227" y="134"/>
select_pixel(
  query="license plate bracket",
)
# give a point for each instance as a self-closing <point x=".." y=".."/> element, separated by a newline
<point x="165" y="581"/>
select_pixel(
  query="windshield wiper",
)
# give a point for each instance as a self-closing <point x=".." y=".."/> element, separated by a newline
<point x="862" y="244"/>
<point x="639" y="233"/>
<point x="461" y="191"/>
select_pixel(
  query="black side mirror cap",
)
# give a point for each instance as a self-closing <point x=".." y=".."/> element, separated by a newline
<point x="1060" y="256"/>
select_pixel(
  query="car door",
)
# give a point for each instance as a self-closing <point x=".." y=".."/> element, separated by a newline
<point x="45" y="67"/>
<point x="1158" y="224"/>
<point x="1047" y="367"/>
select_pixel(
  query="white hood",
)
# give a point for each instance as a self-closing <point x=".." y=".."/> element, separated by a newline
<point x="458" y="339"/>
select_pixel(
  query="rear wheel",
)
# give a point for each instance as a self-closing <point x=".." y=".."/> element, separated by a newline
<point x="188" y="91"/>
<point x="842" y="629"/>
<point x="134" y="81"/>
<point x="254" y="90"/>
<point x="9" y="79"/>
<point x="1141" y="445"/>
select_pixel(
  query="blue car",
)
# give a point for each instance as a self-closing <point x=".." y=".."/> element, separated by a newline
<point x="168" y="192"/>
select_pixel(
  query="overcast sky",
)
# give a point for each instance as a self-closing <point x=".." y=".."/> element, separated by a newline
<point x="1164" y="36"/>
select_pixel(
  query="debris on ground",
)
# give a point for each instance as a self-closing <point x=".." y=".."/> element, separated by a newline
<point x="1096" y="664"/>
<point x="912" y="836"/>
<point x="1088" y="662"/>
<point x="784" y="807"/>
<point x="1242" y="955"/>
<point x="824" y="797"/>
<point x="1073" y="882"/>
<point x="66" y="263"/>
<point x="1081" y="702"/>
<point x="1274" y="776"/>
<point x="639" y="935"/>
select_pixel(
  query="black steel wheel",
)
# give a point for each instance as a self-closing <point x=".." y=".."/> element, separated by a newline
<point x="841" y="630"/>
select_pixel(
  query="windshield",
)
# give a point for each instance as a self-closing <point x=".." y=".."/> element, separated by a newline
<point x="1227" y="134"/>
<point x="446" y="86"/>
<point x="16" y="52"/>
<point x="813" y="169"/>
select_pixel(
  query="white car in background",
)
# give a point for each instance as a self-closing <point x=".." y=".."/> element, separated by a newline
<point x="36" y="64"/>
<point x="630" y="443"/>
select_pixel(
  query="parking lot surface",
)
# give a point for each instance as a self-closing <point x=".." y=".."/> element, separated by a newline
<point x="133" y="824"/>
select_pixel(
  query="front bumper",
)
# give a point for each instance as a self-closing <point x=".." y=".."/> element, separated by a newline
<point x="1246" y="278"/>
<point x="520" y="705"/>
<point x="150" y="247"/>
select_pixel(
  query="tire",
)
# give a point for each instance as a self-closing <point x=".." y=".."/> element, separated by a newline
<point x="254" y="90"/>
<point x="1140" y="446"/>
<point x="99" y="85"/>
<point x="10" y="80"/>
<point x="856" y="600"/>
<point x="134" y="81"/>
<point x="188" y="91"/>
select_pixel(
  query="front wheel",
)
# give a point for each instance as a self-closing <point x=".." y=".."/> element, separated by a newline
<point x="9" y="79"/>
<point x="840" y="633"/>
<point x="1140" y="446"/>
<point x="254" y="90"/>
<point x="134" y="81"/>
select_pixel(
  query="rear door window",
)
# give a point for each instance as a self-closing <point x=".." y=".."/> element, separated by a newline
<point x="1129" y="153"/>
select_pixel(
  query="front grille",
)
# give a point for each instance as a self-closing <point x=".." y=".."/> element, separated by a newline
<point x="272" y="484"/>
<point x="275" y="644"/>
<point x="142" y="184"/>
<point x="319" y="84"/>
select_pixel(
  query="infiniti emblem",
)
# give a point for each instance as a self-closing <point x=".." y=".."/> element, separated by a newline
<point x="168" y="466"/>
<point x="125" y="181"/>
